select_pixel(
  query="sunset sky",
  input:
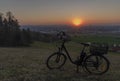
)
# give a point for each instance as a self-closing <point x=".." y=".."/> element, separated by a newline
<point x="37" y="12"/>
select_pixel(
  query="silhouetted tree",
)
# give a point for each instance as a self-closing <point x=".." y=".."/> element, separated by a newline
<point x="1" y="20"/>
<point x="10" y="33"/>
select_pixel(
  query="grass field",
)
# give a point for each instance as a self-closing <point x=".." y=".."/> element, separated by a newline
<point x="28" y="64"/>
<point x="97" y="38"/>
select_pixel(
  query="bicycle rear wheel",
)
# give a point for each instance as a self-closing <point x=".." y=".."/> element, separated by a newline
<point x="96" y="64"/>
<point x="56" y="60"/>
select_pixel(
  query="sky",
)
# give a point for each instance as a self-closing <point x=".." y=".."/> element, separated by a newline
<point x="44" y="12"/>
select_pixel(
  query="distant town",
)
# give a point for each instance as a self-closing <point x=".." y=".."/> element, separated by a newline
<point x="88" y="29"/>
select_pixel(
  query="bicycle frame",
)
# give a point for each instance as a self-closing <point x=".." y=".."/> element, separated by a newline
<point x="63" y="48"/>
<point x="84" y="60"/>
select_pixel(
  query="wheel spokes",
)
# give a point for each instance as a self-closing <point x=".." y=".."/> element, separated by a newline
<point x="96" y="64"/>
<point x="56" y="61"/>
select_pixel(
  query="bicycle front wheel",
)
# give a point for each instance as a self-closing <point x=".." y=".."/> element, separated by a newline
<point x="96" y="64"/>
<point x="56" y="60"/>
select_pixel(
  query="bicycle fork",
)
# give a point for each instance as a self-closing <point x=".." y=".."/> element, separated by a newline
<point x="58" y="56"/>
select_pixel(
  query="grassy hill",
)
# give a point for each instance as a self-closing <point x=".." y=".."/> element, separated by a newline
<point x="28" y="63"/>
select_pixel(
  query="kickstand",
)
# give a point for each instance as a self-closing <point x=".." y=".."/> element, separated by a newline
<point x="77" y="69"/>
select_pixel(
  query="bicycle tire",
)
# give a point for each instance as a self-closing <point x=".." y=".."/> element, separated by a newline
<point x="90" y="63"/>
<point x="58" y="57"/>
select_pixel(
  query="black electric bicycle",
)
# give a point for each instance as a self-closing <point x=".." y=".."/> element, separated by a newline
<point x="93" y="63"/>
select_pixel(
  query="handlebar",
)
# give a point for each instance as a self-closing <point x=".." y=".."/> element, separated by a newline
<point x="63" y="36"/>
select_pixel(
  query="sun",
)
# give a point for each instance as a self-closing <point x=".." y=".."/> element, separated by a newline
<point x="77" y="21"/>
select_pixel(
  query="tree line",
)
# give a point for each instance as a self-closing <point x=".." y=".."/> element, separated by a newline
<point x="10" y="32"/>
<point x="12" y="35"/>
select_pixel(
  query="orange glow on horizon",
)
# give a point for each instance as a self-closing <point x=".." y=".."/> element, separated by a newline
<point x="77" y="22"/>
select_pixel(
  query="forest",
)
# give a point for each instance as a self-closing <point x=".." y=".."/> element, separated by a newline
<point x="12" y="35"/>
